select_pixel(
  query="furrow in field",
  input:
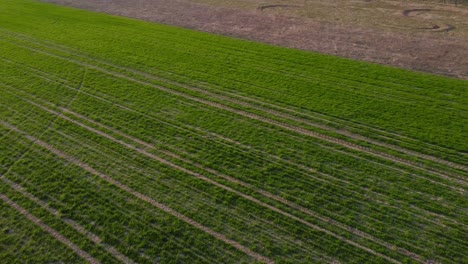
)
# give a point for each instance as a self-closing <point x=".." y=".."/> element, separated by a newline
<point x="156" y="227"/>
<point x="343" y="132"/>
<point x="436" y="222"/>
<point x="202" y="177"/>
<point x="201" y="213"/>
<point x="142" y="197"/>
<point x="140" y="142"/>
<point x="274" y="110"/>
<point x="96" y="239"/>
<point x="147" y="146"/>
<point x="307" y="122"/>
<point x="383" y="198"/>
<point x="242" y="217"/>
<point x="271" y="111"/>
<point x="341" y="180"/>
<point x="173" y="74"/>
<point x="263" y="119"/>
<point x="50" y="230"/>
<point x="433" y="158"/>
<point x="122" y="209"/>
<point x="265" y="193"/>
<point x="209" y="134"/>
<point x="277" y="111"/>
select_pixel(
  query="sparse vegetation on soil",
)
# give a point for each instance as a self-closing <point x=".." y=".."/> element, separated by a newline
<point x="433" y="41"/>
<point x="127" y="141"/>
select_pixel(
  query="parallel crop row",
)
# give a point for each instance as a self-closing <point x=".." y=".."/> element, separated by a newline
<point x="177" y="146"/>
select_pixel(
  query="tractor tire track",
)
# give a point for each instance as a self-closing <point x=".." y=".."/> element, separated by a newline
<point x="440" y="216"/>
<point x="328" y="176"/>
<point x="70" y="50"/>
<point x="143" y="143"/>
<point x="297" y="243"/>
<point x="265" y="193"/>
<point x="402" y="251"/>
<point x="96" y="239"/>
<point x="83" y="254"/>
<point x="197" y="175"/>
<point x="251" y="187"/>
<point x="278" y="198"/>
<point x="276" y="113"/>
<point x="142" y="197"/>
<point x="273" y="112"/>
<point x="262" y="119"/>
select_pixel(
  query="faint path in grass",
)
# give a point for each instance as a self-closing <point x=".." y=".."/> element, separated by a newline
<point x="264" y="193"/>
<point x="327" y="176"/>
<point x="307" y="169"/>
<point x="267" y="120"/>
<point x="142" y="197"/>
<point x="274" y="110"/>
<point x="203" y="86"/>
<point x="83" y="254"/>
<point x="75" y="225"/>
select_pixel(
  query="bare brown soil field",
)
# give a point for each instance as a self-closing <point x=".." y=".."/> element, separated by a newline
<point x="420" y="35"/>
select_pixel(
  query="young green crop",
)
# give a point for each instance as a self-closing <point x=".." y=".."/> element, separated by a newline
<point x="260" y="152"/>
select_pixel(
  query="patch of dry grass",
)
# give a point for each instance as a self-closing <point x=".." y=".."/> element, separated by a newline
<point x="375" y="14"/>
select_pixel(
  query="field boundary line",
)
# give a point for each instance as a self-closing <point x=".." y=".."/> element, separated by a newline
<point x="262" y="119"/>
<point x="83" y="254"/>
<point x="141" y="196"/>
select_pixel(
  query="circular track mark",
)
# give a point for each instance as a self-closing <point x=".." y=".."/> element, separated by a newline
<point x="263" y="7"/>
<point x="408" y="11"/>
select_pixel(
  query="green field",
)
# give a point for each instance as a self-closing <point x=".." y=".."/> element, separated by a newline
<point x="126" y="141"/>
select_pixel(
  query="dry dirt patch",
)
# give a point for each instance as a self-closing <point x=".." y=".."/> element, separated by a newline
<point x="374" y="31"/>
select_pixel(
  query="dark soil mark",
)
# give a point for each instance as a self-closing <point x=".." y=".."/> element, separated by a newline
<point x="437" y="28"/>
<point x="431" y="28"/>
<point x="263" y="7"/>
<point x="434" y="28"/>
<point x="447" y="28"/>
<point x="408" y="11"/>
